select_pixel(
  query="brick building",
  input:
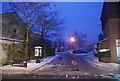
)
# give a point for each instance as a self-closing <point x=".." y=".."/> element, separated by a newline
<point x="110" y="36"/>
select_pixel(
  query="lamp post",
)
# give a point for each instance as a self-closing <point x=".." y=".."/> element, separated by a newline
<point x="72" y="39"/>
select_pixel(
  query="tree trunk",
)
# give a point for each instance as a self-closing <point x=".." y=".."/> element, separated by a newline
<point x="44" y="51"/>
<point x="44" y="48"/>
<point x="26" y="41"/>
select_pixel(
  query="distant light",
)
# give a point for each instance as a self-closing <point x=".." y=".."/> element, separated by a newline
<point x="74" y="62"/>
<point x="71" y="52"/>
<point x="72" y="39"/>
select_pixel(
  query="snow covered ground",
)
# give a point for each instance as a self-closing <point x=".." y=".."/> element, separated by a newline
<point x="61" y="64"/>
<point x="9" y="69"/>
<point x="101" y="65"/>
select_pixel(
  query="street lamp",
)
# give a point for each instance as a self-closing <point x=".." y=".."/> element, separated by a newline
<point x="72" y="39"/>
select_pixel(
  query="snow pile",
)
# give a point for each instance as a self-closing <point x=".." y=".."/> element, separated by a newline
<point x="94" y="61"/>
<point x="4" y="38"/>
<point x="104" y="50"/>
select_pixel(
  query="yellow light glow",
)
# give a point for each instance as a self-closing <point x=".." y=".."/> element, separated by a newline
<point x="72" y="39"/>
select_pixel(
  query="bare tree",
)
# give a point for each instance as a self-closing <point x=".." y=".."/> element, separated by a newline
<point x="39" y="19"/>
<point x="91" y="46"/>
<point x="49" y="25"/>
<point x="59" y="43"/>
<point x="79" y="39"/>
<point x="28" y="11"/>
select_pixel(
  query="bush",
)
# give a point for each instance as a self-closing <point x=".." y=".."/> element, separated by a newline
<point x="104" y="54"/>
<point x="50" y="52"/>
<point x="15" y="54"/>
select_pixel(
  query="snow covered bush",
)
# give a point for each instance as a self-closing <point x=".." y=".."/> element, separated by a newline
<point x="14" y="53"/>
<point x="3" y="57"/>
<point x="104" y="50"/>
<point x="104" y="53"/>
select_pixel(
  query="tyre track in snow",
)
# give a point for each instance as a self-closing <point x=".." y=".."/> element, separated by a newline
<point x="82" y="65"/>
<point x="87" y="67"/>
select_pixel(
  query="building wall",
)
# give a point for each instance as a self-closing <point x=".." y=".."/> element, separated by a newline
<point x="103" y="44"/>
<point x="111" y="32"/>
<point x="113" y="35"/>
<point x="12" y="28"/>
<point x="119" y="27"/>
<point x="4" y="47"/>
<point x="111" y="27"/>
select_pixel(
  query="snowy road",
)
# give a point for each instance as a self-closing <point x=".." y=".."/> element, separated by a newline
<point x="64" y="65"/>
<point x="75" y="64"/>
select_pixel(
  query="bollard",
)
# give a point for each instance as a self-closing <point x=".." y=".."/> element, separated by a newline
<point x="37" y="61"/>
<point x="25" y="64"/>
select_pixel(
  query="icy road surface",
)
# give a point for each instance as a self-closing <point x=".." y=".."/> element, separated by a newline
<point x="76" y="64"/>
<point x="65" y="64"/>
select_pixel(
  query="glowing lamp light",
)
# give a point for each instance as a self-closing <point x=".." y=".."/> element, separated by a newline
<point x="72" y="39"/>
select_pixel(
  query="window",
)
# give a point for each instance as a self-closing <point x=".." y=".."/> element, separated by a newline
<point x="15" y="30"/>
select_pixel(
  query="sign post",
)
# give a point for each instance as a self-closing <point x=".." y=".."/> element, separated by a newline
<point x="38" y="53"/>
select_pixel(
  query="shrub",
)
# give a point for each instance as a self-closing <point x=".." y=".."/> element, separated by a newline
<point x="15" y="54"/>
<point x="104" y="54"/>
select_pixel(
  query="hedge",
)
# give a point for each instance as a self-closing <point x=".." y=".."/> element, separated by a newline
<point x="104" y="54"/>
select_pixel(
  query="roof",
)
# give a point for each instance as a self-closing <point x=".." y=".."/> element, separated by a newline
<point x="103" y="40"/>
<point x="37" y="47"/>
<point x="110" y="9"/>
<point x="16" y="40"/>
<point x="11" y="13"/>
